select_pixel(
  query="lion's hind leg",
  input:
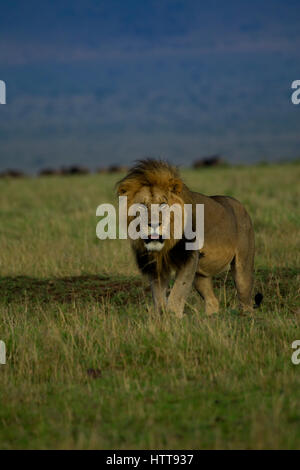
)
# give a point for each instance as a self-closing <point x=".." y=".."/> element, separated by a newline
<point x="242" y="268"/>
<point x="205" y="288"/>
<point x="242" y="265"/>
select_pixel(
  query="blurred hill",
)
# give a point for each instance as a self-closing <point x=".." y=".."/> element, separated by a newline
<point x="90" y="83"/>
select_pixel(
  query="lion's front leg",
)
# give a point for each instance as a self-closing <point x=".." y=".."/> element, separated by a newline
<point x="159" y="293"/>
<point x="182" y="286"/>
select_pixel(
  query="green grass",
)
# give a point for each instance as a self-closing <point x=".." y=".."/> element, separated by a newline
<point x="88" y="363"/>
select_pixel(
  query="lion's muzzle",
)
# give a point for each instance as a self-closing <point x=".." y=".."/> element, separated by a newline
<point x="155" y="240"/>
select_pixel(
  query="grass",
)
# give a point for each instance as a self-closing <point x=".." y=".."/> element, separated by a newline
<point x="89" y="366"/>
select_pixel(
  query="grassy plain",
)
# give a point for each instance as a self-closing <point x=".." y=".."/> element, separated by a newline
<point x="89" y="366"/>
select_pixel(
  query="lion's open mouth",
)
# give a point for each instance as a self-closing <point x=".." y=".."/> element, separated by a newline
<point x="154" y="242"/>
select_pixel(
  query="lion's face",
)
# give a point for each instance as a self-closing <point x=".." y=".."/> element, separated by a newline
<point x="157" y="226"/>
<point x="153" y="197"/>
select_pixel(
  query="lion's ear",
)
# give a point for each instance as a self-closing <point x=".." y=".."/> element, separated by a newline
<point x="176" y="185"/>
<point x="123" y="188"/>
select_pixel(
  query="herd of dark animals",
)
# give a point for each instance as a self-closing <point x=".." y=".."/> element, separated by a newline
<point x="64" y="171"/>
<point x="214" y="160"/>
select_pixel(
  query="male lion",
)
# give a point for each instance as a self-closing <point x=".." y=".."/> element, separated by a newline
<point x="228" y="239"/>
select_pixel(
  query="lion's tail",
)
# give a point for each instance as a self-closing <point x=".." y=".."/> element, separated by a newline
<point x="258" y="299"/>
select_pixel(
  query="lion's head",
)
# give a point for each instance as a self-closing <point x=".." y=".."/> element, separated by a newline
<point x="155" y="185"/>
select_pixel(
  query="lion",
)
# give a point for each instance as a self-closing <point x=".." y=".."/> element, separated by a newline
<point x="228" y="240"/>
